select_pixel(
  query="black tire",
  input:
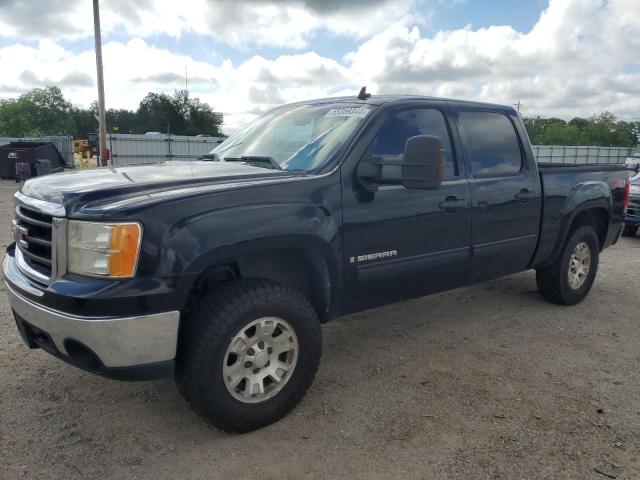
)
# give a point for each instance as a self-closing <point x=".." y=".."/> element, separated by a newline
<point x="553" y="281"/>
<point x="630" y="231"/>
<point x="205" y="335"/>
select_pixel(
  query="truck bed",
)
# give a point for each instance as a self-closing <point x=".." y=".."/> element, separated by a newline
<point x="564" y="186"/>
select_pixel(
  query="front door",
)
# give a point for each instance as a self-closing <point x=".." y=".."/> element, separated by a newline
<point x="401" y="243"/>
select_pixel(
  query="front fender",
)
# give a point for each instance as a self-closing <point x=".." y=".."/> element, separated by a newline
<point x="267" y="241"/>
<point x="198" y="241"/>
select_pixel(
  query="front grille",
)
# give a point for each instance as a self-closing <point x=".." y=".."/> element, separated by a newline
<point x="33" y="232"/>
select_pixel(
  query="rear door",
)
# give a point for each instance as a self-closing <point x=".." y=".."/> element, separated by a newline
<point x="399" y="242"/>
<point x="505" y="194"/>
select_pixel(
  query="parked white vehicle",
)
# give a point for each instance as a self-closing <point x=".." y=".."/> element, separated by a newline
<point x="633" y="160"/>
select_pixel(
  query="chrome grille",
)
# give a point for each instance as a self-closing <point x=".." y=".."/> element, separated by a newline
<point x="37" y="230"/>
<point x="33" y="234"/>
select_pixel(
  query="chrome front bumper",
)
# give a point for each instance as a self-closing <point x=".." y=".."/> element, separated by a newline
<point x="117" y="342"/>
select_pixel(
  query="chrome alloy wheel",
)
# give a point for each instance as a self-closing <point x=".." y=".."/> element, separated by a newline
<point x="260" y="360"/>
<point x="579" y="265"/>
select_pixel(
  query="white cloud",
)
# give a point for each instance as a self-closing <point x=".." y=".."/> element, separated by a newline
<point x="135" y="68"/>
<point x="283" y="23"/>
<point x="579" y="58"/>
<point x="572" y="61"/>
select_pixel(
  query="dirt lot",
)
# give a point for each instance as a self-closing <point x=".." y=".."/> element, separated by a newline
<point x="483" y="382"/>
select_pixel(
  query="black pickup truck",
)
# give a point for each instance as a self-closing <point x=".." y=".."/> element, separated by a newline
<point x="221" y="271"/>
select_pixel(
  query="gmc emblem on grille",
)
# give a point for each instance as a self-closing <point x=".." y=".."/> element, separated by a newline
<point x="19" y="233"/>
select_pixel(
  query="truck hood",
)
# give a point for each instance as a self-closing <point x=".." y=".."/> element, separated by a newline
<point x="113" y="185"/>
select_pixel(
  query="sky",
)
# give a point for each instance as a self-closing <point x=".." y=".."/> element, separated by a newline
<point x="563" y="58"/>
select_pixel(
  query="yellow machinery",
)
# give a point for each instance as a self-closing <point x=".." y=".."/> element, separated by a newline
<point x="83" y="152"/>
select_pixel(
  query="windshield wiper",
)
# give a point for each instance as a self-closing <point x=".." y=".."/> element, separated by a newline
<point x="256" y="161"/>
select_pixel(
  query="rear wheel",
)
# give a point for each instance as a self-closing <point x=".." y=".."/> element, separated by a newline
<point x="247" y="354"/>
<point x="569" y="279"/>
<point x="629" y="230"/>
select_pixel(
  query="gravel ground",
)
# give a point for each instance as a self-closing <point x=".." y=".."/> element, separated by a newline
<point x="488" y="381"/>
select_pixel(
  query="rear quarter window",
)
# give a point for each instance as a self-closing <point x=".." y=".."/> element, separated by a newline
<point x="493" y="146"/>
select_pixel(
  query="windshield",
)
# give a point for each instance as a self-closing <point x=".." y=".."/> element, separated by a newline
<point x="297" y="137"/>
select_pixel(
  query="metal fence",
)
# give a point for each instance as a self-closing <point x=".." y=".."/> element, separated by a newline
<point x="63" y="143"/>
<point x="563" y="154"/>
<point x="137" y="149"/>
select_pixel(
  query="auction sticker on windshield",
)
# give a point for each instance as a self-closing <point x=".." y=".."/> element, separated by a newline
<point x="348" y="112"/>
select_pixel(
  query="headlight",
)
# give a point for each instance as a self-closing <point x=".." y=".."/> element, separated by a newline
<point x="103" y="249"/>
<point x="634" y="189"/>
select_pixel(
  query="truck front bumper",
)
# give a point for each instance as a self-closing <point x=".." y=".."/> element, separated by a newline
<point x="134" y="347"/>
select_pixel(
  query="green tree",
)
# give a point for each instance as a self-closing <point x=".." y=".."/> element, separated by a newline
<point x="202" y="119"/>
<point x="16" y="119"/>
<point x="45" y="111"/>
<point x="603" y="130"/>
<point x="538" y="126"/>
<point x="178" y="114"/>
<point x="607" y="131"/>
<point x="84" y="122"/>
<point x="122" y="121"/>
<point x="41" y="111"/>
<point x="158" y="113"/>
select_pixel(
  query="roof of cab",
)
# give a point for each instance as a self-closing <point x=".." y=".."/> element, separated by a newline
<point x="378" y="100"/>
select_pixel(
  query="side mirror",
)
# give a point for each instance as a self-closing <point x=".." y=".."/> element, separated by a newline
<point x="423" y="163"/>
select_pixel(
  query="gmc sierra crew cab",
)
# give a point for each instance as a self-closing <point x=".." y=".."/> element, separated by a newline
<point x="220" y="271"/>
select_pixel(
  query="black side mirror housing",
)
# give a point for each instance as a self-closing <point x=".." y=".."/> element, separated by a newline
<point x="420" y="167"/>
<point x="423" y="163"/>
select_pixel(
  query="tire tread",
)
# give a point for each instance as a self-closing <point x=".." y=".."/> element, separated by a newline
<point x="215" y="315"/>
<point x="551" y="281"/>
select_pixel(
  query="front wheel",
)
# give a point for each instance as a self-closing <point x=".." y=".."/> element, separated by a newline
<point x="629" y="230"/>
<point x="247" y="354"/>
<point x="569" y="279"/>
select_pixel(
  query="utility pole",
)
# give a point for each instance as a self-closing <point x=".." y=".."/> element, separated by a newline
<point x="102" y="128"/>
<point x="517" y="105"/>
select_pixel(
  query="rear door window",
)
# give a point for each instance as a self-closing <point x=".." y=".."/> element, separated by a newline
<point x="494" y="149"/>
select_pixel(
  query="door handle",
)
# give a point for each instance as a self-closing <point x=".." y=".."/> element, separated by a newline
<point x="452" y="203"/>
<point x="524" y="195"/>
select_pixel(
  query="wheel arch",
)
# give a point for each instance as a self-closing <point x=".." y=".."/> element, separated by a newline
<point x="595" y="213"/>
<point x="597" y="217"/>
<point x="304" y="263"/>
